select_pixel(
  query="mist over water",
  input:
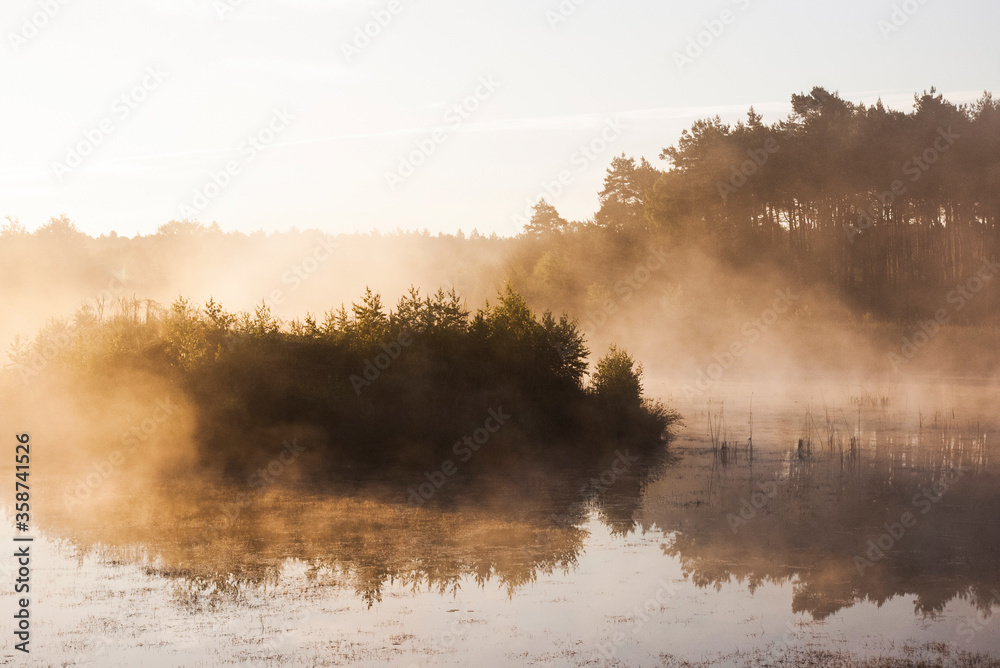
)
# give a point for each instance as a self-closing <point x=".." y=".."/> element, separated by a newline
<point x="755" y="429"/>
<point x="772" y="534"/>
<point x="833" y="475"/>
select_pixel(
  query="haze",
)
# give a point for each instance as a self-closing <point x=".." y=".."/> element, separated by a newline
<point x="230" y="64"/>
<point x="559" y="333"/>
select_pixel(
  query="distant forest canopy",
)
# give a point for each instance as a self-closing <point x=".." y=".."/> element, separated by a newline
<point x="881" y="204"/>
<point x="886" y="211"/>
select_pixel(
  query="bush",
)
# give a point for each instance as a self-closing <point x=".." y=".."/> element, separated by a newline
<point x="375" y="387"/>
<point x="617" y="379"/>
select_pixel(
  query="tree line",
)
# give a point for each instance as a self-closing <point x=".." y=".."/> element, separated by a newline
<point x="882" y="205"/>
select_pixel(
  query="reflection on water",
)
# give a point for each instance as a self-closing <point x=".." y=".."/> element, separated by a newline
<point x="886" y="532"/>
<point x="892" y="514"/>
<point x="363" y="536"/>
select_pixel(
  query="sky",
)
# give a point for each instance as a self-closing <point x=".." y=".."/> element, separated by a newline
<point x="348" y="115"/>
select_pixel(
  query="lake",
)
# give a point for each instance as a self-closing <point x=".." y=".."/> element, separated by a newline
<point x="820" y="522"/>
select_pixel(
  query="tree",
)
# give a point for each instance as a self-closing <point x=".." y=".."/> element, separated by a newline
<point x="617" y="378"/>
<point x="183" y="228"/>
<point x="567" y="341"/>
<point x="13" y="229"/>
<point x="626" y="189"/>
<point x="545" y="220"/>
<point x="444" y="312"/>
<point x="888" y="206"/>
<point x="59" y="228"/>
<point x="369" y="325"/>
<point x="185" y="334"/>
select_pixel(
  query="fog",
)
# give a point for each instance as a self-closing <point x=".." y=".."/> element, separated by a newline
<point x="374" y="411"/>
<point x="699" y="326"/>
<point x="686" y="315"/>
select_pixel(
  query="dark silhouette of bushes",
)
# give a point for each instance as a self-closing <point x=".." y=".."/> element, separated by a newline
<point x="370" y="388"/>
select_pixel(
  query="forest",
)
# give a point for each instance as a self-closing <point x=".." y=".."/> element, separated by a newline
<point x="882" y="206"/>
<point x="885" y="209"/>
<point x="882" y="222"/>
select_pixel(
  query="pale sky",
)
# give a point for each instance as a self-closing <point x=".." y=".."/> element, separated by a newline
<point x="161" y="94"/>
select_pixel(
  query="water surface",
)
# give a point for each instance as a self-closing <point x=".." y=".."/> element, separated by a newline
<point x="721" y="550"/>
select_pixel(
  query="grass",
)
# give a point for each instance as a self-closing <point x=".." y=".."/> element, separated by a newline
<point x="931" y="655"/>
